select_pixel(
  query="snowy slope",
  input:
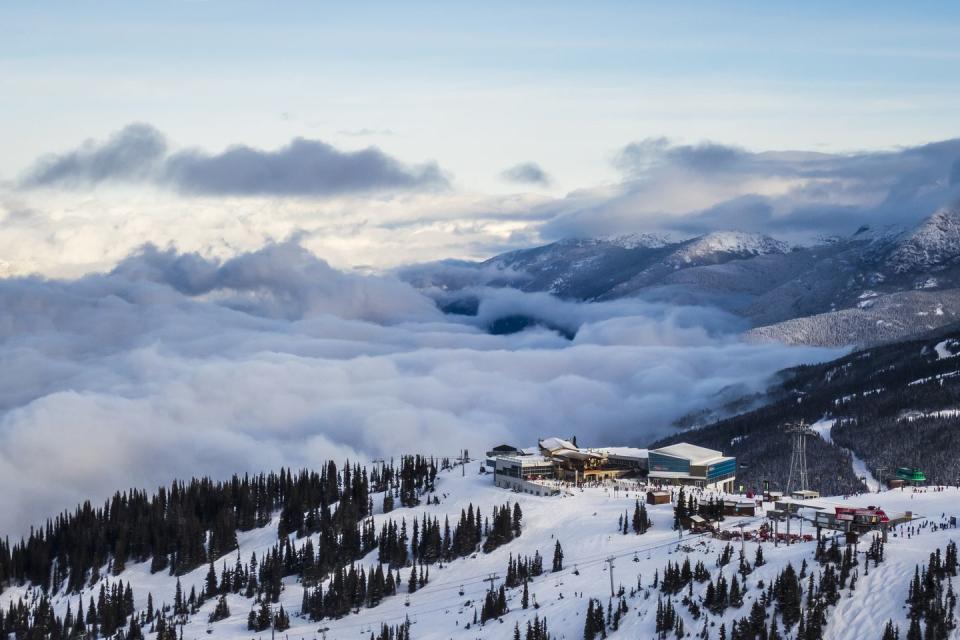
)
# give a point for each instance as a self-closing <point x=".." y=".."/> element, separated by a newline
<point x="585" y="523"/>
<point x="733" y="243"/>
<point x="875" y="285"/>
<point x="936" y="241"/>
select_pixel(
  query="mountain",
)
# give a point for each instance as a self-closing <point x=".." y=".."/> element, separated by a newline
<point x="875" y="285"/>
<point x="935" y="243"/>
<point x="885" y="407"/>
<point x="613" y="267"/>
<point x="312" y="562"/>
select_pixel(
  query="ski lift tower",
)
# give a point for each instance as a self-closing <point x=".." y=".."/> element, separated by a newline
<point x="798" y="457"/>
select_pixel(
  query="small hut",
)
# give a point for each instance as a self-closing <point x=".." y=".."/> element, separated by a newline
<point x="658" y="497"/>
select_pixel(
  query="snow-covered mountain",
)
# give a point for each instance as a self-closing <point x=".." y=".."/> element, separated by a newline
<point x="585" y="522"/>
<point x="254" y="555"/>
<point x="935" y="243"/>
<point x="834" y="292"/>
<point x="736" y="244"/>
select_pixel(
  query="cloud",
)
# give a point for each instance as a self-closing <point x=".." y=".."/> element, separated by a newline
<point x="173" y="364"/>
<point x="302" y="168"/>
<point x="694" y="189"/>
<point x="526" y="173"/>
<point x="138" y="154"/>
<point x="132" y="154"/>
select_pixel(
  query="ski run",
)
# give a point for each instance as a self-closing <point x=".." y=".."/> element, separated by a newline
<point x="586" y="524"/>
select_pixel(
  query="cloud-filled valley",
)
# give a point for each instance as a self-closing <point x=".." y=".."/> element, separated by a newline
<point x="180" y="321"/>
<point x="174" y="364"/>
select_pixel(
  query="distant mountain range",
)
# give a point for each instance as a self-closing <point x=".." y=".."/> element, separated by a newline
<point x="876" y="285"/>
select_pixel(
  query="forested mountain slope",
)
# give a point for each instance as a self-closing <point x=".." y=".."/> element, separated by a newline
<point x="893" y="405"/>
<point x="456" y="557"/>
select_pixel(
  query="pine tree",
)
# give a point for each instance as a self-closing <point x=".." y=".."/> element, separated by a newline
<point x="589" y="630"/>
<point x="557" y="557"/>
<point x="221" y="611"/>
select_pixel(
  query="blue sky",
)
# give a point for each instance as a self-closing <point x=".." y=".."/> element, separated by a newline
<point x="863" y="75"/>
<point x="477" y="89"/>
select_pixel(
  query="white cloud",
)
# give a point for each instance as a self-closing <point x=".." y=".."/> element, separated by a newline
<point x="173" y="365"/>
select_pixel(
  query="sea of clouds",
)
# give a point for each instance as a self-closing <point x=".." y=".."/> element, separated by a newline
<point x="173" y="364"/>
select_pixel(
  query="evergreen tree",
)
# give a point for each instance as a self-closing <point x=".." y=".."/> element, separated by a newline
<point x="557" y="557"/>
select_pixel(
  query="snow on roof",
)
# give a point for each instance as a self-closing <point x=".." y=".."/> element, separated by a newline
<point x="557" y="443"/>
<point x="625" y="452"/>
<point x="526" y="461"/>
<point x="577" y="455"/>
<point x="696" y="455"/>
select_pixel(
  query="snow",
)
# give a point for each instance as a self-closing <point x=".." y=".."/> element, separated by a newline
<point x="861" y="471"/>
<point x="935" y="241"/>
<point x="943" y="413"/>
<point x="848" y="398"/>
<point x="585" y="523"/>
<point x="625" y="452"/>
<point x="638" y="240"/>
<point x="939" y="376"/>
<point x="737" y="242"/>
<point x="824" y="428"/>
<point x="943" y="349"/>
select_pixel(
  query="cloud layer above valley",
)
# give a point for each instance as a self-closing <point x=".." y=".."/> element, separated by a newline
<point x="172" y="365"/>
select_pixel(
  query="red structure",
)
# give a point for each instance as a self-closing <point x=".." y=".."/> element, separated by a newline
<point x="869" y="516"/>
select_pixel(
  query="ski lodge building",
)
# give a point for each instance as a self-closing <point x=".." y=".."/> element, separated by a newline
<point x="558" y="459"/>
<point x="688" y="464"/>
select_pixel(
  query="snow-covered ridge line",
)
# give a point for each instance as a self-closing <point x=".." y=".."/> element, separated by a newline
<point x="733" y="242"/>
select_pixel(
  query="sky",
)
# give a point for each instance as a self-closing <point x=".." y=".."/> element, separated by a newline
<point x="521" y="112"/>
<point x="203" y="205"/>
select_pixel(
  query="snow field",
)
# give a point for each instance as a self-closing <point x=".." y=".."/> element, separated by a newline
<point x="585" y="524"/>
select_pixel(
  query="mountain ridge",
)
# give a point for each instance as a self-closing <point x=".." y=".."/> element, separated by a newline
<point x="823" y="294"/>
